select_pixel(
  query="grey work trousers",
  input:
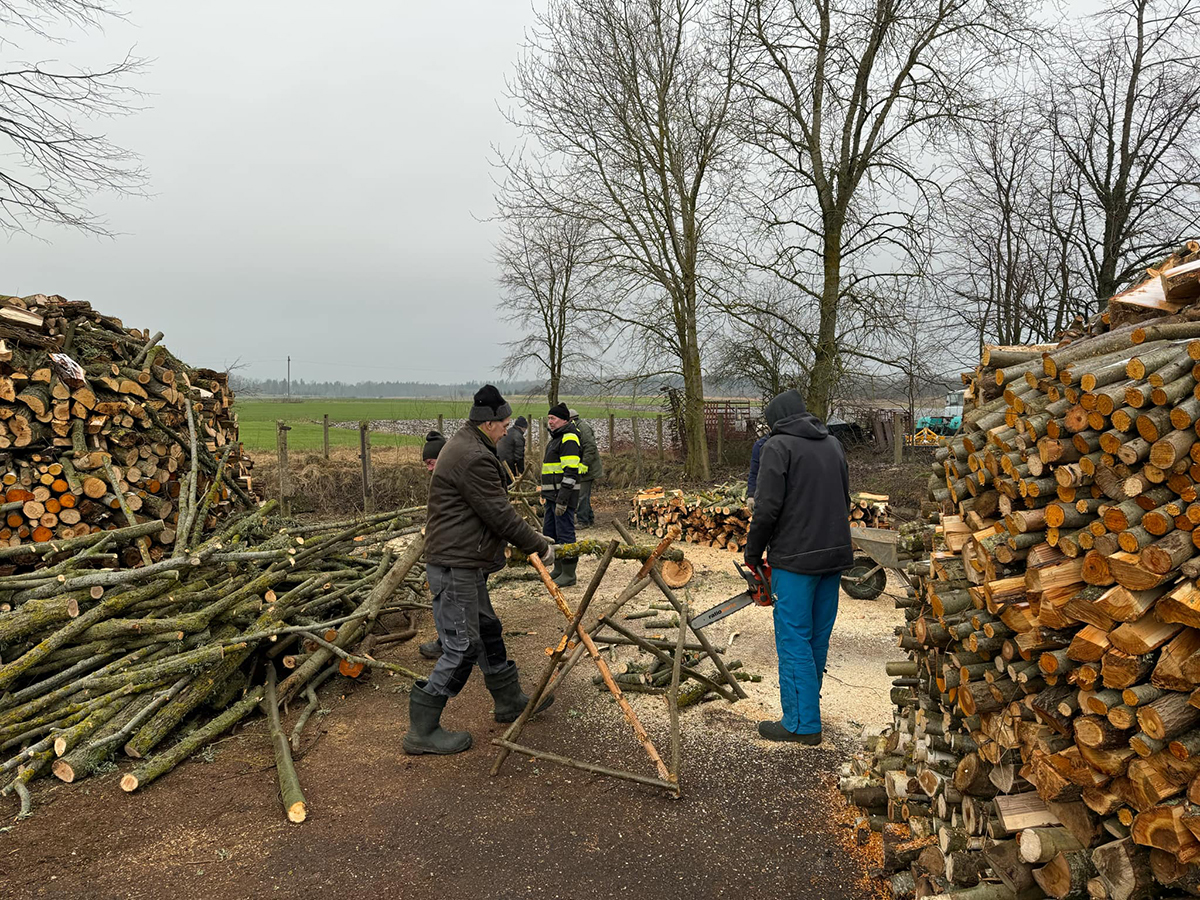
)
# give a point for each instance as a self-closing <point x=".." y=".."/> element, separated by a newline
<point x="467" y="626"/>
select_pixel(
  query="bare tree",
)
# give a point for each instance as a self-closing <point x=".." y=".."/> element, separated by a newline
<point x="546" y="278"/>
<point x="761" y="350"/>
<point x="1012" y="268"/>
<point x="1124" y="107"/>
<point x="52" y="162"/>
<point x="924" y="344"/>
<point x="631" y="100"/>
<point x="842" y="99"/>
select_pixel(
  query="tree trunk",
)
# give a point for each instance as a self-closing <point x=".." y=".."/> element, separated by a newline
<point x="696" y="465"/>
<point x="825" y="362"/>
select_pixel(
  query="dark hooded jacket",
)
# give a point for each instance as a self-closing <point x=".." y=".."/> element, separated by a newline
<point x="511" y="449"/>
<point x="470" y="516"/>
<point x="802" y="499"/>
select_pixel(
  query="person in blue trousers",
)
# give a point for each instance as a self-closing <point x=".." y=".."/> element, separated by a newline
<point x="801" y="523"/>
<point x="752" y="475"/>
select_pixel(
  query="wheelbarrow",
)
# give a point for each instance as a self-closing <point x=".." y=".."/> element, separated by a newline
<point x="875" y="553"/>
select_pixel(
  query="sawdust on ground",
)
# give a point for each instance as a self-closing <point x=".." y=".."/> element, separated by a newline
<point x="856" y="689"/>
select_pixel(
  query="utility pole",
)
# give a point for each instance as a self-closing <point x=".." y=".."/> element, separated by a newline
<point x="289" y="378"/>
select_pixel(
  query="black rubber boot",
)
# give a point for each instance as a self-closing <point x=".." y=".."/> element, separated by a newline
<point x="425" y="733"/>
<point x="557" y="569"/>
<point x="509" y="698"/>
<point x="431" y="649"/>
<point x="775" y="731"/>
<point x="566" y="577"/>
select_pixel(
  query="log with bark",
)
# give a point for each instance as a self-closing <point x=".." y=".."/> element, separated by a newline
<point x="156" y="661"/>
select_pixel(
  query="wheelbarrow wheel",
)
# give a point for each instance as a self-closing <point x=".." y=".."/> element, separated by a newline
<point x="870" y="589"/>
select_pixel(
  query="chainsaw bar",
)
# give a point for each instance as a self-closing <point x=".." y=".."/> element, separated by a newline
<point x="721" y="610"/>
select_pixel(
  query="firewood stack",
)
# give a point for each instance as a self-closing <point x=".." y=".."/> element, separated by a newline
<point x="1046" y="737"/>
<point x="721" y="518"/>
<point x="93" y="426"/>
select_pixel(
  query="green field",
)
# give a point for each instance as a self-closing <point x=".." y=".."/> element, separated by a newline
<point x="257" y="417"/>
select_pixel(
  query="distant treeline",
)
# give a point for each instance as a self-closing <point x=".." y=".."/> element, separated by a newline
<point x="277" y="387"/>
<point x="890" y="388"/>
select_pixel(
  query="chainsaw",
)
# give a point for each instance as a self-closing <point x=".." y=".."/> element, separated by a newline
<point x="758" y="591"/>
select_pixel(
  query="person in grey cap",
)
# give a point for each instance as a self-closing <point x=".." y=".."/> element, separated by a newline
<point x="434" y="442"/>
<point x="511" y="448"/>
<point x="469" y="522"/>
<point x="589" y="472"/>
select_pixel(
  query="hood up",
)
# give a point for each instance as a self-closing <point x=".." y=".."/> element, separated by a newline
<point x="787" y="414"/>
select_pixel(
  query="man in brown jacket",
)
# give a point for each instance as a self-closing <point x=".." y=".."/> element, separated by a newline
<point x="469" y="523"/>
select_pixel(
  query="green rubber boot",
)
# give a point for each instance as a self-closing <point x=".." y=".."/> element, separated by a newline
<point x="566" y="577"/>
<point x="506" y="691"/>
<point x="425" y="733"/>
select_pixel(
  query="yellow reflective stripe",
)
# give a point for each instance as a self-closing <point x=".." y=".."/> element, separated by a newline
<point x="570" y="437"/>
<point x="569" y="460"/>
<point x="552" y="468"/>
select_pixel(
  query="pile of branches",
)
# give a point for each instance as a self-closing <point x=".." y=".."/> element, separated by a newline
<point x="155" y="662"/>
<point x="720" y="517"/>
<point x="1046" y="738"/>
<point x="94" y="427"/>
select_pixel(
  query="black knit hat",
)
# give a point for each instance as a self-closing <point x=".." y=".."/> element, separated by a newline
<point x="434" y="442"/>
<point x="560" y="410"/>
<point x="489" y="406"/>
<point x="521" y="422"/>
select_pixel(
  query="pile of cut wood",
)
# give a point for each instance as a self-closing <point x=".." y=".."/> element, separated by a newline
<point x="1047" y="730"/>
<point x="720" y="517"/>
<point x="156" y="662"/>
<point x="94" y="426"/>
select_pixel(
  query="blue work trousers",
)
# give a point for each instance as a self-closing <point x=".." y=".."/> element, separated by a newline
<point x="560" y="529"/>
<point x="805" y="608"/>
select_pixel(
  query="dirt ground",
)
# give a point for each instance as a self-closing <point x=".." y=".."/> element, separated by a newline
<point x="755" y="820"/>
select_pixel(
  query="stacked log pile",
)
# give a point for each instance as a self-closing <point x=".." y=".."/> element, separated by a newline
<point x="94" y="427"/>
<point x="721" y="517"/>
<point x="1046" y="739"/>
<point x="152" y="663"/>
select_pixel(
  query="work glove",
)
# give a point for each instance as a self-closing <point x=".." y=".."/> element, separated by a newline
<point x="560" y="504"/>
<point x="548" y="556"/>
<point x="753" y="560"/>
<point x="750" y="504"/>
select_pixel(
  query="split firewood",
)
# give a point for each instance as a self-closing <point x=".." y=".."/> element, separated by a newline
<point x="1050" y="704"/>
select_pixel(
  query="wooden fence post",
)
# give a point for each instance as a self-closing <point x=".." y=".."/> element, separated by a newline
<point x="326" y="426"/>
<point x="544" y="436"/>
<point x="364" y="441"/>
<point x="441" y="424"/>
<point x="897" y="438"/>
<point x="662" y="452"/>
<point x="721" y="438"/>
<point x="285" y="475"/>
<point x="612" y="434"/>
<point x="637" y="450"/>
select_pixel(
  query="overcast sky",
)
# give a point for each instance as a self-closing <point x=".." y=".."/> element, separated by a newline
<point x="317" y="170"/>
